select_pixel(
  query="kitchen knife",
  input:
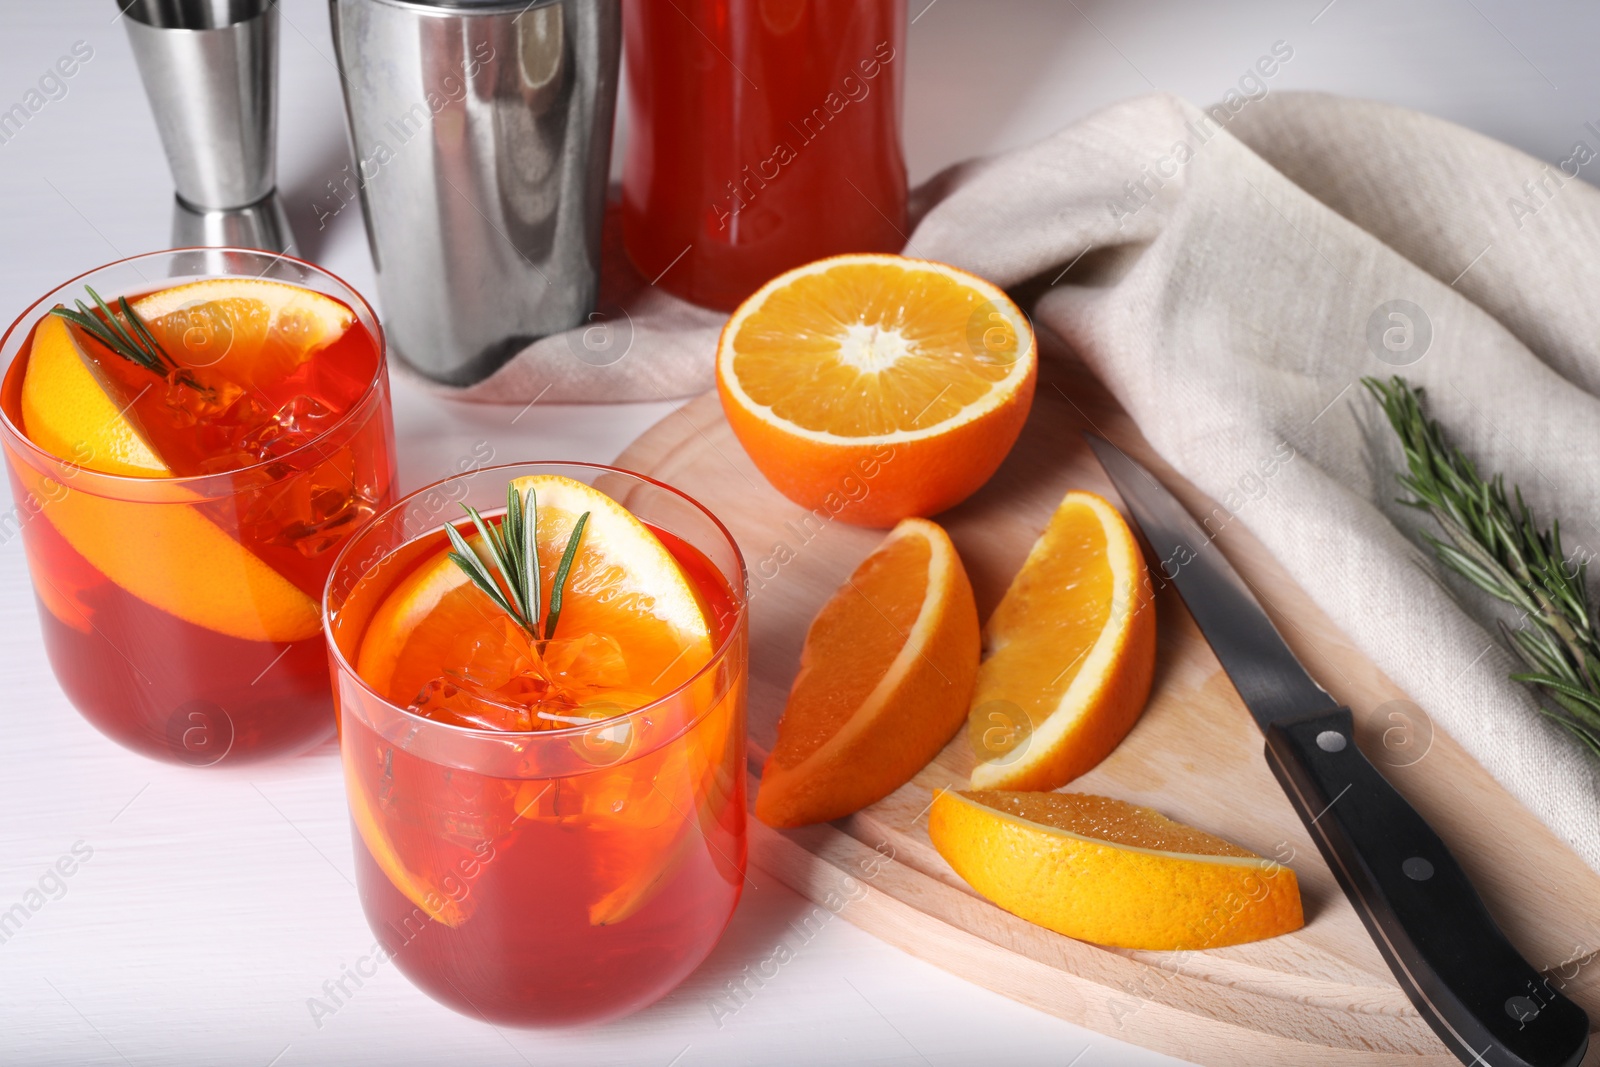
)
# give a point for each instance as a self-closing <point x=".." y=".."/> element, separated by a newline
<point x="1485" y="1001"/>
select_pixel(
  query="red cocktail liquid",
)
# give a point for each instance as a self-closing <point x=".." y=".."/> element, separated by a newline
<point x="295" y="463"/>
<point x="549" y="900"/>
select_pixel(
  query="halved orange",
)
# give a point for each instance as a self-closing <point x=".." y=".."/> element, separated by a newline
<point x="1109" y="872"/>
<point x="908" y="376"/>
<point x="884" y="680"/>
<point x="167" y="554"/>
<point x="1069" y="653"/>
<point x="624" y="585"/>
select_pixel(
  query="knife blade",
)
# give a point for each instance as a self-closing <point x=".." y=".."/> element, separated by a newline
<point x="1487" y="1004"/>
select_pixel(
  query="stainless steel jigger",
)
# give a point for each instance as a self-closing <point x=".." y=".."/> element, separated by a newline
<point x="210" y="70"/>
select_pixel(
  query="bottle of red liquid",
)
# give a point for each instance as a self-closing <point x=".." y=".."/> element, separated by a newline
<point x="765" y="134"/>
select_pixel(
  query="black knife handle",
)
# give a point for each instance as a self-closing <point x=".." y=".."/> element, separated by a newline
<point x="1484" y="1000"/>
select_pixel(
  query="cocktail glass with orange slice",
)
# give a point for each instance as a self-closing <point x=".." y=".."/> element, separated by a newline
<point x="546" y="788"/>
<point x="188" y="448"/>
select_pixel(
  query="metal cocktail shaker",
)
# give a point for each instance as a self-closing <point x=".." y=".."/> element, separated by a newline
<point x="482" y="136"/>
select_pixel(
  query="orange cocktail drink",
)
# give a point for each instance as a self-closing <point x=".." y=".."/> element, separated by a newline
<point x="190" y="437"/>
<point x="541" y="710"/>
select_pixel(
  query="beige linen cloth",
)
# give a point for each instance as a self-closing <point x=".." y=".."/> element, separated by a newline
<point x="1233" y="273"/>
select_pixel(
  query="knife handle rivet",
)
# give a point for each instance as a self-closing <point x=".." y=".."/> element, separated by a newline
<point x="1331" y="741"/>
<point x="1417" y="869"/>
<point x="1522" y="1009"/>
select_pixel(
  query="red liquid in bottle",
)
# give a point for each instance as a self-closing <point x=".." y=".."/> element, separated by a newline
<point x="766" y="134"/>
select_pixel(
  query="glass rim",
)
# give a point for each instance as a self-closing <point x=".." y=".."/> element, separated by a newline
<point x="566" y="733"/>
<point x="293" y="457"/>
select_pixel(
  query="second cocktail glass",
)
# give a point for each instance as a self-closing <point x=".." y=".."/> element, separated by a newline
<point x="553" y="876"/>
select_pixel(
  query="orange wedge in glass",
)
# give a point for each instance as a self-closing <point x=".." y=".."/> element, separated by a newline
<point x="624" y="584"/>
<point x="698" y="775"/>
<point x="250" y="329"/>
<point x="418" y="886"/>
<point x="1109" y="872"/>
<point x="69" y="414"/>
<point x="901" y="377"/>
<point x="884" y="680"/>
<point x="166" y="553"/>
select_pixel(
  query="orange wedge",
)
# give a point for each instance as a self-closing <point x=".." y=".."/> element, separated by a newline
<point x="67" y="412"/>
<point x="167" y="554"/>
<point x="903" y="377"/>
<point x="884" y="680"/>
<point x="416" y="887"/>
<point x="252" y="330"/>
<point x="1109" y="872"/>
<point x="174" y="558"/>
<point x="692" y="783"/>
<point x="624" y="584"/>
<point x="636" y="856"/>
<point x="1069" y="653"/>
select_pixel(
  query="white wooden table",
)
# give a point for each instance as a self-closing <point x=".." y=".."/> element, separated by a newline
<point x="213" y="906"/>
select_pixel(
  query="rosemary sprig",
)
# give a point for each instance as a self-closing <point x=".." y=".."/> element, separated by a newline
<point x="513" y="550"/>
<point x="128" y="337"/>
<point x="1496" y="543"/>
<point x="564" y="568"/>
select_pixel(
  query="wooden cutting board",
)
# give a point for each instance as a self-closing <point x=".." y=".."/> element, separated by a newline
<point x="1319" y="996"/>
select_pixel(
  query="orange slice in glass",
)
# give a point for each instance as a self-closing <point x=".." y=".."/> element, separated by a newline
<point x="624" y="586"/>
<point x="69" y="414"/>
<point x="253" y="331"/>
<point x="696" y="781"/>
<point x="167" y="554"/>
<point x="416" y="887"/>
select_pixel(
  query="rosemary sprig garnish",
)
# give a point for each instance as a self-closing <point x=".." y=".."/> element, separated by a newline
<point x="1496" y="543"/>
<point x="129" y="337"/>
<point x="513" y="550"/>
